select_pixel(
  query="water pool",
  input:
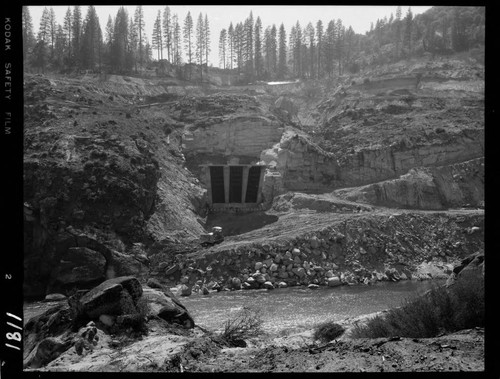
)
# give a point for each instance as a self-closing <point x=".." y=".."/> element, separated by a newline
<point x="299" y="307"/>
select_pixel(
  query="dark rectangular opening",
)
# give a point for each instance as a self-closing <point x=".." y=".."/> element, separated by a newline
<point x="253" y="184"/>
<point x="235" y="183"/>
<point x="217" y="182"/>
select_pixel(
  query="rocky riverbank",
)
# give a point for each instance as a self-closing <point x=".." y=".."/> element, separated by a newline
<point x="315" y="249"/>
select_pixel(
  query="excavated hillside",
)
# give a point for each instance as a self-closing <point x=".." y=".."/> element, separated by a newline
<point x="356" y="170"/>
<point x="412" y="136"/>
<point x="103" y="179"/>
<point x="396" y="144"/>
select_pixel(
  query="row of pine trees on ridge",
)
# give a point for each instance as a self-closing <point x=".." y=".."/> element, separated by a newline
<point x="246" y="48"/>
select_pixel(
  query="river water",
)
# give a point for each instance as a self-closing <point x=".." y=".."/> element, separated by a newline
<point x="299" y="308"/>
<point x="292" y="309"/>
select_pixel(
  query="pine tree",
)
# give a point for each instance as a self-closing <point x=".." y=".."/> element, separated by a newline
<point x="44" y="29"/>
<point x="310" y="37"/>
<point x="52" y="31"/>
<point x="28" y="34"/>
<point x="239" y="39"/>
<point x="176" y="35"/>
<point x="68" y="31"/>
<point x="349" y="44"/>
<point x="77" y="32"/>
<point x="148" y="51"/>
<point x="274" y="50"/>
<point x="319" y="34"/>
<point x="267" y="51"/>
<point x="339" y="44"/>
<point x="188" y="38"/>
<point x="39" y="56"/>
<point x="222" y="48"/>
<point x="231" y="44"/>
<point x="295" y="43"/>
<point x="408" y="29"/>
<point x="206" y="31"/>
<point x="258" y="48"/>
<point x="139" y="26"/>
<point x="330" y="37"/>
<point x="167" y="32"/>
<point x="248" y="46"/>
<point x="397" y="30"/>
<point x="157" y="39"/>
<point x="133" y="45"/>
<point x="60" y="47"/>
<point x="200" y="43"/>
<point x="282" y="53"/>
<point x="120" y="40"/>
<point x="91" y="40"/>
<point x="108" y="41"/>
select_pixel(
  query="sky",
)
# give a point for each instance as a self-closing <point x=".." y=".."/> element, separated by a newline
<point x="219" y="17"/>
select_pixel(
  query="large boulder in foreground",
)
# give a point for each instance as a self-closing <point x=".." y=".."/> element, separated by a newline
<point x="55" y="321"/>
<point x="113" y="297"/>
<point x="163" y="306"/>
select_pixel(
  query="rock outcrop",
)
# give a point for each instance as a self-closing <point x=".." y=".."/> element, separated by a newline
<point x="117" y="306"/>
<point x="93" y="167"/>
<point x="441" y="187"/>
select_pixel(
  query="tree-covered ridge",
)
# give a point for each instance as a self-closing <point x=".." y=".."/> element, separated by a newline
<point x="247" y="48"/>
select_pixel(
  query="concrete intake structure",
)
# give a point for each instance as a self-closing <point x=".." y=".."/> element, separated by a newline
<point x="234" y="186"/>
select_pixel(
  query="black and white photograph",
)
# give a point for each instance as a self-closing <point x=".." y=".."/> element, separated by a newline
<point x="248" y="188"/>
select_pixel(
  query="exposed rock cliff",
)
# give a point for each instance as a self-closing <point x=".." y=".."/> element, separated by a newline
<point x="98" y="174"/>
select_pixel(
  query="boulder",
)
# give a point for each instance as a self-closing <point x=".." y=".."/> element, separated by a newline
<point x="273" y="267"/>
<point x="268" y="285"/>
<point x="260" y="278"/>
<point x="185" y="290"/>
<point x="235" y="283"/>
<point x="115" y="296"/>
<point x="392" y="274"/>
<point x="313" y="286"/>
<point x="282" y="285"/>
<point x="53" y="322"/>
<point x="167" y="307"/>
<point x="205" y="291"/>
<point x="251" y="283"/>
<point x="334" y="281"/>
<point x="258" y="265"/>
